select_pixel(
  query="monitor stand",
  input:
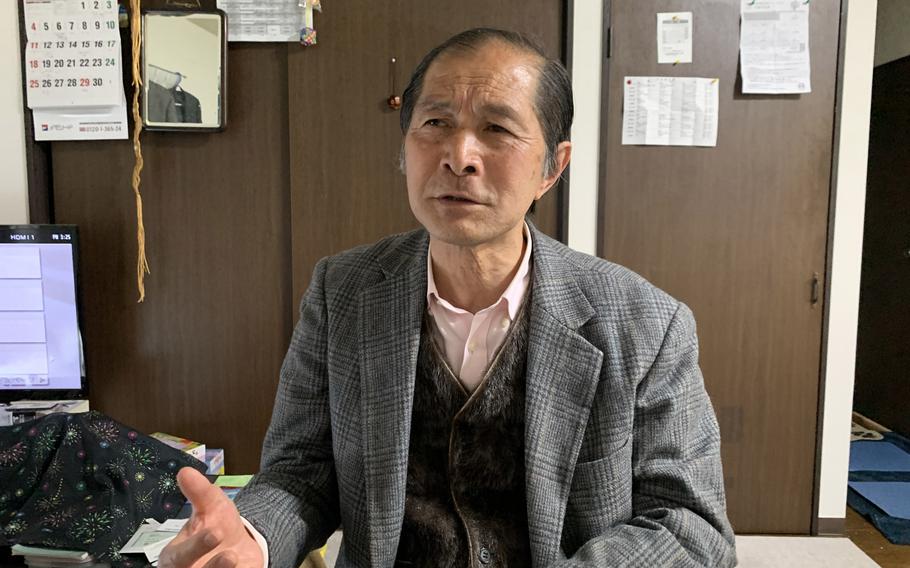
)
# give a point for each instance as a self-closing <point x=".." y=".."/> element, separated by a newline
<point x="24" y="410"/>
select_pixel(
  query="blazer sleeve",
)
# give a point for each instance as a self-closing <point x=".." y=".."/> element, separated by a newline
<point x="293" y="500"/>
<point x="678" y="505"/>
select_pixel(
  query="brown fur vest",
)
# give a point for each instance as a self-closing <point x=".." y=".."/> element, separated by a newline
<point x="465" y="503"/>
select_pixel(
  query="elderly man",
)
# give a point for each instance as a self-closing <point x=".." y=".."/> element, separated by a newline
<point x="475" y="393"/>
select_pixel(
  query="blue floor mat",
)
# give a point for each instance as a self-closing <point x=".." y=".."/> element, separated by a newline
<point x="878" y="456"/>
<point x="892" y="497"/>
<point x="882" y="486"/>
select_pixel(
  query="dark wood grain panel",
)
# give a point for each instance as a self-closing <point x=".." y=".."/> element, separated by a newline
<point x="200" y="357"/>
<point x="883" y="335"/>
<point x="344" y="141"/>
<point x="736" y="232"/>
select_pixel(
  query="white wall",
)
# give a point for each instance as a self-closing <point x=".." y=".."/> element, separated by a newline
<point x="849" y="186"/>
<point x="587" y="22"/>
<point x="846" y="243"/>
<point x="13" y="181"/>
<point x="892" y="36"/>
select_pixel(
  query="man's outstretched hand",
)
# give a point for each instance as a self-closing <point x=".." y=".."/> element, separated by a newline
<point x="214" y="536"/>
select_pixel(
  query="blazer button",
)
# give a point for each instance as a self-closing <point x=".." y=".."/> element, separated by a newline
<point x="484" y="555"/>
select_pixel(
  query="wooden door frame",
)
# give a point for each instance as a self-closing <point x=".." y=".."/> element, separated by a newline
<point x="606" y="54"/>
<point x="828" y="526"/>
<point x="831" y="526"/>
<point x="37" y="154"/>
<point x="568" y="34"/>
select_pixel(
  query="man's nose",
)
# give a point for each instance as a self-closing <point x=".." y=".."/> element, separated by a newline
<point x="462" y="157"/>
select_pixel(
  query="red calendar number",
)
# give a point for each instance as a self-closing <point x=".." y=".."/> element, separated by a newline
<point x="33" y="83"/>
<point x="84" y="82"/>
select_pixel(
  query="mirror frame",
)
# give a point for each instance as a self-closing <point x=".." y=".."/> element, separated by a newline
<point x="222" y="95"/>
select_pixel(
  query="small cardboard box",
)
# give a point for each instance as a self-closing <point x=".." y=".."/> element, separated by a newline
<point x="194" y="449"/>
<point x="214" y="460"/>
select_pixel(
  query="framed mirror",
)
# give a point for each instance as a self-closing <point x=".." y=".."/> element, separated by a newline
<point x="184" y="70"/>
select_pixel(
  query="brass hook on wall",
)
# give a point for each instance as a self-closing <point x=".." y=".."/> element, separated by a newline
<point x="394" y="100"/>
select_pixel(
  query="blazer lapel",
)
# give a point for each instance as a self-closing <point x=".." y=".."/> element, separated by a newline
<point x="562" y="375"/>
<point x="390" y="317"/>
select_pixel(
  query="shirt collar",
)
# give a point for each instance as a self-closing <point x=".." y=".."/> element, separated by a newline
<point x="513" y="294"/>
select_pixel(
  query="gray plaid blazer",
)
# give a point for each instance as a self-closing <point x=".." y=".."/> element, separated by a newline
<point x="622" y="449"/>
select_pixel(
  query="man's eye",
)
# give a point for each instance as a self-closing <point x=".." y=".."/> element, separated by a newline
<point x="498" y="128"/>
<point x="433" y="122"/>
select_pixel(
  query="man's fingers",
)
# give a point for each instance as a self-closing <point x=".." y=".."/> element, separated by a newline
<point x="178" y="554"/>
<point x="203" y="495"/>
<point x="214" y="524"/>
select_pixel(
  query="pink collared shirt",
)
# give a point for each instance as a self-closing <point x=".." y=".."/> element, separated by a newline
<point x="470" y="340"/>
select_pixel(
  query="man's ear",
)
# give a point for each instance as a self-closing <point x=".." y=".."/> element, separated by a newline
<point x="402" y="161"/>
<point x="563" y="155"/>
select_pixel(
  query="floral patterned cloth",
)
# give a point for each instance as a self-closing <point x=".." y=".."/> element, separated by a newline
<point x="84" y="482"/>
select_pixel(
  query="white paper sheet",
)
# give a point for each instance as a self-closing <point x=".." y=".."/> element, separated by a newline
<point x="254" y="20"/>
<point x="74" y="71"/>
<point x="774" y="46"/>
<point x="81" y="123"/>
<point x="674" y="37"/>
<point x="145" y="535"/>
<point x="72" y="53"/>
<point x="172" y="525"/>
<point x="153" y="550"/>
<point x="670" y="111"/>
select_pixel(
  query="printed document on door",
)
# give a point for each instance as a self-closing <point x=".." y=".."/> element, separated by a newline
<point x="774" y="46"/>
<point x="670" y="111"/>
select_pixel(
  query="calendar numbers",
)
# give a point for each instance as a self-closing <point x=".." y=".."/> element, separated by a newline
<point x="72" y="53"/>
<point x="97" y="5"/>
<point x="74" y="26"/>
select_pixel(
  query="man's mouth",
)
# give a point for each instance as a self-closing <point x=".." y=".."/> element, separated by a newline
<point x="456" y="199"/>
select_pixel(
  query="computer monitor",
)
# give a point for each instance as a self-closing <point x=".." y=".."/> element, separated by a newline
<point x="40" y="339"/>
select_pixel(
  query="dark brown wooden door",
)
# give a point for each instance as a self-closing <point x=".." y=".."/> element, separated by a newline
<point x="344" y="140"/>
<point x="737" y="232"/>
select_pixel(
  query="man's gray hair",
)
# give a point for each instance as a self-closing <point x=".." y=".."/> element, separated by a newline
<point x="553" y="101"/>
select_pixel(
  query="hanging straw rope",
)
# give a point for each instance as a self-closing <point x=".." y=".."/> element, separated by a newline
<point x="142" y="265"/>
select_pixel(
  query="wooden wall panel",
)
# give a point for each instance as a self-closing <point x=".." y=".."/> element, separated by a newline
<point x="736" y="232"/>
<point x="883" y="340"/>
<point x="200" y="357"/>
<point x="345" y="185"/>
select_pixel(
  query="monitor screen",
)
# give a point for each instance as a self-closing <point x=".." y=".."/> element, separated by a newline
<point x="40" y="341"/>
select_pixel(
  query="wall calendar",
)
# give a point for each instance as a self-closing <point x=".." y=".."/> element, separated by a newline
<point x="72" y="53"/>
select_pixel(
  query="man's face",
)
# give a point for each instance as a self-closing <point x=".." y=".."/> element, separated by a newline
<point x="474" y="152"/>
